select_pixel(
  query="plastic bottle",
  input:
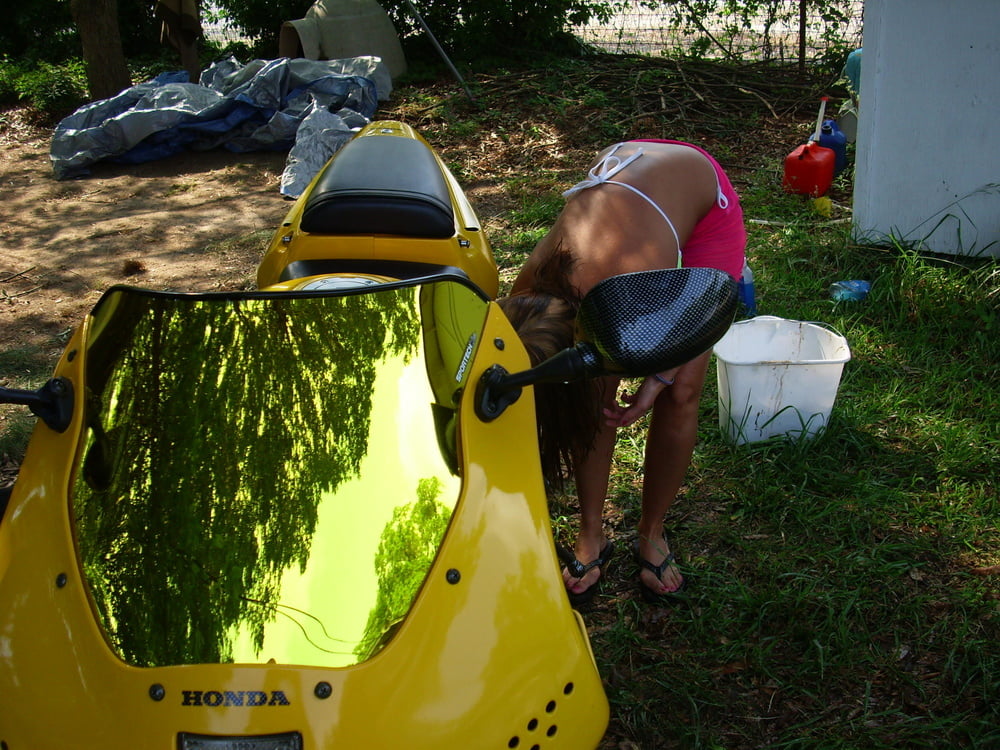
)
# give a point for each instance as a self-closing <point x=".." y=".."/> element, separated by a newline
<point x="747" y="293"/>
<point x="833" y="138"/>
<point x="853" y="290"/>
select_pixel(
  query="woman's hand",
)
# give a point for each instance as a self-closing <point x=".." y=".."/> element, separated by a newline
<point x="640" y="402"/>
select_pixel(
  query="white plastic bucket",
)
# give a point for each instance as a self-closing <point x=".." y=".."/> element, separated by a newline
<point x="778" y="377"/>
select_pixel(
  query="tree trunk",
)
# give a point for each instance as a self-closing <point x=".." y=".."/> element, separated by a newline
<point x="97" y="21"/>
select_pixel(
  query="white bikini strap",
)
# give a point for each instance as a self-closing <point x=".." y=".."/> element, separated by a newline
<point x="604" y="170"/>
<point x="601" y="174"/>
<point x="723" y="199"/>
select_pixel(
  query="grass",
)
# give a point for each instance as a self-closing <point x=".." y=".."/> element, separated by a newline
<point x="22" y="367"/>
<point x="838" y="603"/>
<point x="836" y="599"/>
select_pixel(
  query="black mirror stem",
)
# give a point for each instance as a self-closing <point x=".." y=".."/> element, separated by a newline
<point x="497" y="389"/>
<point x="52" y="403"/>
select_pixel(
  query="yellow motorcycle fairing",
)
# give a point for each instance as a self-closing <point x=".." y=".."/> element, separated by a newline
<point x="489" y="653"/>
<point x="385" y="204"/>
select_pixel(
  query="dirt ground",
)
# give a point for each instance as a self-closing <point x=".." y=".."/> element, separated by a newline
<point x="192" y="222"/>
<point x="150" y="225"/>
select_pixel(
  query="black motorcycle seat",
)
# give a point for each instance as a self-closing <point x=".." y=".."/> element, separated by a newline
<point x="381" y="185"/>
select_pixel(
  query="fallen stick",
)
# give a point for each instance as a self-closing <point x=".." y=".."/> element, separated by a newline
<point x="15" y="275"/>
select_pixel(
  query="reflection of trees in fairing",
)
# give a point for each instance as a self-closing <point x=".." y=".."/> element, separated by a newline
<point x="229" y="421"/>
<point x="405" y="553"/>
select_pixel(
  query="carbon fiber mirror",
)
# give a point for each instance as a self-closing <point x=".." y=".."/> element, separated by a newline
<point x="649" y="321"/>
<point x="631" y="325"/>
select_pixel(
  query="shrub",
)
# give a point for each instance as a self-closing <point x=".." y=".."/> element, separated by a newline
<point x="55" y="90"/>
<point x="9" y="73"/>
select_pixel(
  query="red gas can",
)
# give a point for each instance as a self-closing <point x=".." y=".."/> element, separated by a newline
<point x="809" y="170"/>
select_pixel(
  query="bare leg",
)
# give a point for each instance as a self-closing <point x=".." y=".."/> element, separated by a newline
<point x="673" y="431"/>
<point x="593" y="472"/>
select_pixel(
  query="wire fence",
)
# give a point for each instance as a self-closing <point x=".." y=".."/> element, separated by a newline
<point x="772" y="34"/>
<point x="662" y="31"/>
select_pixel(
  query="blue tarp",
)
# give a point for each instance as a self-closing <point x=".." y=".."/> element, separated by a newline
<point x="254" y="107"/>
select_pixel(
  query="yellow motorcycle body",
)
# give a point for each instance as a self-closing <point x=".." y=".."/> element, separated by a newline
<point x="274" y="521"/>
<point x="164" y="587"/>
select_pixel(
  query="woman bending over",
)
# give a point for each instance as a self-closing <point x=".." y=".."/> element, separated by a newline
<point x="644" y="205"/>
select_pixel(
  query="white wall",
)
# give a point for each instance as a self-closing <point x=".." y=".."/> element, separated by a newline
<point x="928" y="145"/>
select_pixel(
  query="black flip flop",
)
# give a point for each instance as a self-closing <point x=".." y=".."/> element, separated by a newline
<point x="578" y="570"/>
<point x="648" y="594"/>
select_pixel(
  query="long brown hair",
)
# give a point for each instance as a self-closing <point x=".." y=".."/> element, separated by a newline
<point x="567" y="414"/>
